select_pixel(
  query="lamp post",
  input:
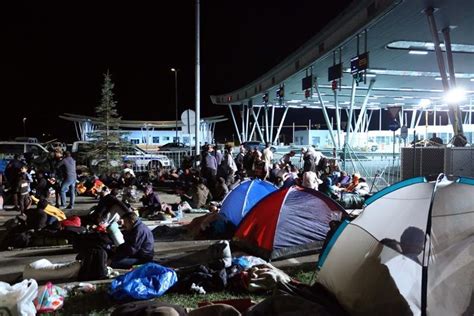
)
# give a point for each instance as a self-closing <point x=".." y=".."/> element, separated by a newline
<point x="176" y="98"/>
<point x="24" y="126"/>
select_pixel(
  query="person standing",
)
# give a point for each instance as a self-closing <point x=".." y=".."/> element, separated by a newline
<point x="267" y="157"/>
<point x="68" y="164"/>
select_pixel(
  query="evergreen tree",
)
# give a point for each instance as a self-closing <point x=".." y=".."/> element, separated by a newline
<point x="107" y="138"/>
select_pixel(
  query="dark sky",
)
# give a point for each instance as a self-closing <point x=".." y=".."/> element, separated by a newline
<point x="53" y="55"/>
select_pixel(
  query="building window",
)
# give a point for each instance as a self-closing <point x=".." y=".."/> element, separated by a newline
<point x="156" y="139"/>
<point x="166" y="138"/>
<point x="135" y="141"/>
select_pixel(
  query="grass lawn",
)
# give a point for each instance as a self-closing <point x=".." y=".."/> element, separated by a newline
<point x="99" y="303"/>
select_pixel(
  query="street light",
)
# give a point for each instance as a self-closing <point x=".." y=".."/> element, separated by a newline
<point x="176" y="98"/>
<point x="24" y="126"/>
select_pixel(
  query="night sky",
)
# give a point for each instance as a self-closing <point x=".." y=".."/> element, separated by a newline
<point x="53" y="55"/>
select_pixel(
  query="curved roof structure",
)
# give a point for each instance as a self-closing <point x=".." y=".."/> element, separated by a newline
<point x="402" y="58"/>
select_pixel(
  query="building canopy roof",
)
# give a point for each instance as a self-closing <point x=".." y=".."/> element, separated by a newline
<point x="402" y="60"/>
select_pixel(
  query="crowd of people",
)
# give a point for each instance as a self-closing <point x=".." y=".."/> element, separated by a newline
<point x="219" y="171"/>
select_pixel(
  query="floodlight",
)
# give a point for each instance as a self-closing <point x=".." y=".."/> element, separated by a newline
<point x="455" y="95"/>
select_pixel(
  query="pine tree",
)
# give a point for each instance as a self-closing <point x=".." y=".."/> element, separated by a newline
<point x="107" y="138"/>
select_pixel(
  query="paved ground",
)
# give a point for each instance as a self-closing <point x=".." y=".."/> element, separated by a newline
<point x="169" y="253"/>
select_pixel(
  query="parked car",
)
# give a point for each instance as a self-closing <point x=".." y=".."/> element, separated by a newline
<point x="138" y="159"/>
<point x="34" y="154"/>
<point x="173" y="147"/>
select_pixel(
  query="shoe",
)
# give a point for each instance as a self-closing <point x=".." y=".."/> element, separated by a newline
<point x="69" y="207"/>
<point x="62" y="206"/>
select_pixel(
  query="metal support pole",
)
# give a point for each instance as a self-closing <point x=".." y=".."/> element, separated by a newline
<point x="255" y="123"/>
<point x="271" y="123"/>
<point x="242" y="118"/>
<point x="349" y="121"/>
<point x="363" y="107"/>
<point x="258" y="125"/>
<point x="453" y="110"/>
<point x="293" y="133"/>
<point x="338" y="119"/>
<point x="198" y="78"/>
<point x="266" y="123"/>
<point x="413" y="118"/>
<point x="368" y="121"/>
<point x="380" y="119"/>
<point x="281" y="125"/>
<point x="235" y="123"/>
<point x="247" y="118"/>
<point x="325" y="113"/>
<point x="419" y="118"/>
<point x="452" y="79"/>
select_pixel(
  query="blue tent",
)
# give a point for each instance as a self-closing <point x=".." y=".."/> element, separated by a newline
<point x="242" y="198"/>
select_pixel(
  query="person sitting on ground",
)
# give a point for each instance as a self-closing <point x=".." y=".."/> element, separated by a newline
<point x="221" y="189"/>
<point x="151" y="202"/>
<point x="138" y="247"/>
<point x="36" y="218"/>
<point x="362" y="188"/>
<point x="353" y="184"/>
<point x="108" y="206"/>
<point x="343" y="180"/>
<point x="198" y="196"/>
<point x="291" y="178"/>
<point x="311" y="180"/>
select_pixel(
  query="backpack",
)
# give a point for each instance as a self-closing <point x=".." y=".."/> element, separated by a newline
<point x="94" y="265"/>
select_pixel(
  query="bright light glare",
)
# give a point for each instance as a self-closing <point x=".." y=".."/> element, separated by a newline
<point x="455" y="95"/>
<point x="417" y="52"/>
<point x="424" y="103"/>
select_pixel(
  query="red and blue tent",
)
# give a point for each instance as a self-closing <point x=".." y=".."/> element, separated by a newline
<point x="243" y="197"/>
<point x="287" y="222"/>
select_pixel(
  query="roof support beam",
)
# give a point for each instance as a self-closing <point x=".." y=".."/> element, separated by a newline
<point x="363" y="108"/>
<point x="281" y="125"/>
<point x="266" y="123"/>
<point x="453" y="109"/>
<point x="271" y="123"/>
<point x="338" y="118"/>
<point x="413" y="118"/>
<point x="242" y="118"/>
<point x="247" y="124"/>
<point x="258" y="125"/>
<point x="325" y="113"/>
<point x="235" y="124"/>
<point x="253" y="126"/>
<point x="369" y="119"/>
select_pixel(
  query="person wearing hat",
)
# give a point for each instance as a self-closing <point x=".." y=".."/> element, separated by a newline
<point x="138" y="247"/>
<point x="311" y="180"/>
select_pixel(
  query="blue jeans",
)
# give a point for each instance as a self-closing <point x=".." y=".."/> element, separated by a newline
<point x="125" y="263"/>
<point x="68" y="185"/>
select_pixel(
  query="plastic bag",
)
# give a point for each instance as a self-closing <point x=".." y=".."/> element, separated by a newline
<point x="147" y="281"/>
<point x="50" y="298"/>
<point x="18" y="299"/>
